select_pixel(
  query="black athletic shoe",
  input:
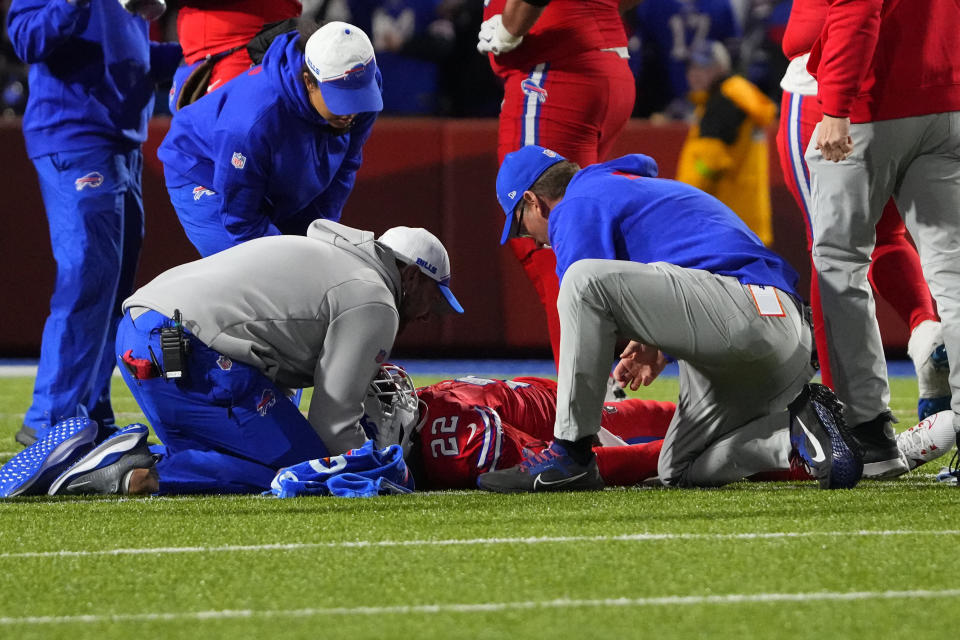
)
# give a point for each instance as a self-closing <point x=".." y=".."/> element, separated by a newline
<point x="819" y="434"/>
<point x="27" y="435"/>
<point x="550" y="470"/>
<point x="107" y="468"/>
<point x="881" y="456"/>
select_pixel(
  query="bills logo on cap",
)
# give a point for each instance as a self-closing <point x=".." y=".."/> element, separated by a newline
<point x="239" y="160"/>
<point x="199" y="191"/>
<point x="426" y="265"/>
<point x="267" y="400"/>
<point x="531" y="88"/>
<point x="93" y="180"/>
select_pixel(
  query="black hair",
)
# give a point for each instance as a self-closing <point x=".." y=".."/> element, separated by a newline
<point x="306" y="27"/>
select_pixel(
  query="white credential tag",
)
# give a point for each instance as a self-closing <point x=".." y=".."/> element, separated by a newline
<point x="766" y="299"/>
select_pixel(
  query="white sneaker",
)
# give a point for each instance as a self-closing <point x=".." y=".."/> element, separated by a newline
<point x="929" y="440"/>
<point x="929" y="356"/>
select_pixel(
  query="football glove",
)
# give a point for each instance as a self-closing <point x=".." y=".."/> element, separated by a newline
<point x="146" y="9"/>
<point x="494" y="37"/>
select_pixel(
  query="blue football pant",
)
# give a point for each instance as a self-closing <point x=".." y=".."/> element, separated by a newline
<point x="94" y="207"/>
<point x="225" y="426"/>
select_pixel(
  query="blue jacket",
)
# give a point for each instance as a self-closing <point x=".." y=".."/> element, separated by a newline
<point x="259" y="143"/>
<point x="619" y="210"/>
<point x="92" y="75"/>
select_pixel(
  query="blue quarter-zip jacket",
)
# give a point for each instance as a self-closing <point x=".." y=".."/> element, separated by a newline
<point x="619" y="210"/>
<point x="92" y="75"/>
<point x="259" y="143"/>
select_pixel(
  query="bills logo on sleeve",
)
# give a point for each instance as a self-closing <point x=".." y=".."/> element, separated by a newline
<point x="93" y="180"/>
<point x="239" y="161"/>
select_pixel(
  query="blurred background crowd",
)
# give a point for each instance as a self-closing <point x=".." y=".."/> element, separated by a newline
<point x="426" y="50"/>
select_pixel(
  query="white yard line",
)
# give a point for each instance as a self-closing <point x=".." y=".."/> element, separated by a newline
<point x="361" y="544"/>
<point x="485" y="607"/>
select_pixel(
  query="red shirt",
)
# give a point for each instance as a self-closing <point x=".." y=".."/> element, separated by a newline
<point x="565" y="28"/>
<point x="209" y="26"/>
<point x="804" y="26"/>
<point x="879" y="60"/>
<point x="474" y="425"/>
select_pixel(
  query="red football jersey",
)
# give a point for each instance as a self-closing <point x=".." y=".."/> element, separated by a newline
<point x="565" y="28"/>
<point x="205" y="27"/>
<point x="474" y="425"/>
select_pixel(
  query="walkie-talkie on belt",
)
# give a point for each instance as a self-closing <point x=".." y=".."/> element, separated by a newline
<point x="173" y="345"/>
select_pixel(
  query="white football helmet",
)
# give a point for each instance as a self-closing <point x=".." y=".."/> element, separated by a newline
<point x="390" y="408"/>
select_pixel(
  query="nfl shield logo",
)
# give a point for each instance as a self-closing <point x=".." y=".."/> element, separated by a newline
<point x="239" y="160"/>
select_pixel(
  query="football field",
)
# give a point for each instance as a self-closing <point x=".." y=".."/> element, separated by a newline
<point x="752" y="560"/>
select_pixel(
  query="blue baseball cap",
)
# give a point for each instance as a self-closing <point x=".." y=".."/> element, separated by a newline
<point x="520" y="169"/>
<point x="340" y="56"/>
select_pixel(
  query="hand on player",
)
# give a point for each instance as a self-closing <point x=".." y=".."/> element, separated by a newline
<point x="494" y="37"/>
<point x="640" y="364"/>
<point x="146" y="9"/>
<point x="833" y="138"/>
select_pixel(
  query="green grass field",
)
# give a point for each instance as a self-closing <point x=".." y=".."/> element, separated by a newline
<point x="752" y="560"/>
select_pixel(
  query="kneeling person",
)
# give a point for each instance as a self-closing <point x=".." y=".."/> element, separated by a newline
<point x="676" y="272"/>
<point x="251" y="322"/>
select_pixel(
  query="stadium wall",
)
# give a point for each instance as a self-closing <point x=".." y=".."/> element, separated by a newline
<point x="434" y="173"/>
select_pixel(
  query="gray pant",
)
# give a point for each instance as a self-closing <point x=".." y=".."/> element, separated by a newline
<point x="917" y="161"/>
<point x="738" y="369"/>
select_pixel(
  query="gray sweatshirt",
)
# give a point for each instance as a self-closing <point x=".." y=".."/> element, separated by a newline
<point x="319" y="310"/>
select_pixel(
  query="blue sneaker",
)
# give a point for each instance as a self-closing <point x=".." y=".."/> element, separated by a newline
<point x="550" y="470"/>
<point x="819" y="434"/>
<point x="106" y="469"/>
<point x="30" y="471"/>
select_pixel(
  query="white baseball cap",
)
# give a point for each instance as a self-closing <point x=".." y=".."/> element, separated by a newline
<point x="420" y="247"/>
<point x="340" y="57"/>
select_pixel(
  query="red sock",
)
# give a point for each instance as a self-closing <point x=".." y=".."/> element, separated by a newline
<point x="636" y="419"/>
<point x="895" y="272"/>
<point x="540" y="265"/>
<point x="630" y="465"/>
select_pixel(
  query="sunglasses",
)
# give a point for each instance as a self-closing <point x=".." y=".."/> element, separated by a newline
<point x="520" y="232"/>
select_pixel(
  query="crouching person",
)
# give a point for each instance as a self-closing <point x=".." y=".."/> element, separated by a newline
<point x="209" y="349"/>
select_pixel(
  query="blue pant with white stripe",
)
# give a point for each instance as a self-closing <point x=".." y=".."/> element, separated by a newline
<point x="226" y="428"/>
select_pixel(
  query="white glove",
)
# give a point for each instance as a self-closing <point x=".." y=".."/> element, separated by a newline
<point x="146" y="9"/>
<point x="494" y="37"/>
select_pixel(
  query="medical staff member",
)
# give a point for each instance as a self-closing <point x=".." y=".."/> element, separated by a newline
<point x="257" y="319"/>
<point x="278" y="146"/>
<point x="676" y="272"/>
<point x="93" y="72"/>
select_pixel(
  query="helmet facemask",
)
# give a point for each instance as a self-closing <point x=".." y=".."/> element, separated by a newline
<point x="390" y="408"/>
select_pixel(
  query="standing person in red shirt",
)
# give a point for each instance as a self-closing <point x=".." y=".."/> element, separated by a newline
<point x="567" y="86"/>
<point x="894" y="270"/>
<point x="220" y="30"/>
<point x="888" y="76"/>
